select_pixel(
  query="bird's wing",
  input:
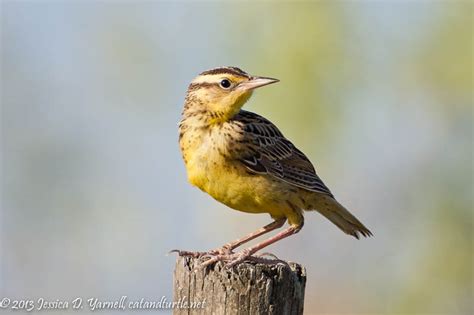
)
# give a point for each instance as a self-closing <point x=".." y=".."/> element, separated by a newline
<point x="269" y="152"/>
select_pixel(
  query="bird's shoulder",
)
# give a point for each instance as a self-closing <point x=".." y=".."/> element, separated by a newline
<point x="267" y="151"/>
<point x="257" y="124"/>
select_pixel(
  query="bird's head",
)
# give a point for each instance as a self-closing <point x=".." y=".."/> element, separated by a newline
<point x="221" y="92"/>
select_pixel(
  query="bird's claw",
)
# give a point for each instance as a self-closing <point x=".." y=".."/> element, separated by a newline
<point x="224" y="250"/>
<point x="240" y="258"/>
<point x="231" y="258"/>
<point x="225" y="254"/>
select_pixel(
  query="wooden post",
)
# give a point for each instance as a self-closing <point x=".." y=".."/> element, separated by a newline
<point x="249" y="288"/>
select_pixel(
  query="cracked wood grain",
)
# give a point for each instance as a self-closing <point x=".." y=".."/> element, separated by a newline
<point x="249" y="288"/>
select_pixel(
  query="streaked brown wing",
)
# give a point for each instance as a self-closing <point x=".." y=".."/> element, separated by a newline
<point x="269" y="152"/>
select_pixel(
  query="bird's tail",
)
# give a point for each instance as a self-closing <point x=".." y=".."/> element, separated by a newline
<point x="340" y="216"/>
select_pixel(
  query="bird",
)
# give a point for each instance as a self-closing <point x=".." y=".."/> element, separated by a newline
<point x="244" y="161"/>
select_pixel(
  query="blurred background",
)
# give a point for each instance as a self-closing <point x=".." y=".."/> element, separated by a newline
<point x="377" y="94"/>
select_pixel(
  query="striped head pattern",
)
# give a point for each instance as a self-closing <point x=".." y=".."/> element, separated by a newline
<point x="222" y="91"/>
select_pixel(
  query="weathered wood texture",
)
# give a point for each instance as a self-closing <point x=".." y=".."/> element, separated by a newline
<point x="249" y="288"/>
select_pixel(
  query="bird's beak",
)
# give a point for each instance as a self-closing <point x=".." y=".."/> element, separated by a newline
<point x="256" y="82"/>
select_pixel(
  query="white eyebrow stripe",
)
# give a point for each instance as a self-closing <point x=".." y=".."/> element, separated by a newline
<point x="209" y="78"/>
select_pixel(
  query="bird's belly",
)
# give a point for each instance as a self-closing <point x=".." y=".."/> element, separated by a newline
<point x="229" y="183"/>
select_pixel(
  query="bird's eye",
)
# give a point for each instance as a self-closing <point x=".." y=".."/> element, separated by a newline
<point x="225" y="84"/>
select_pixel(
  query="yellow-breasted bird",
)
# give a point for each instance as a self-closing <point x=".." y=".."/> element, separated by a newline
<point x="242" y="160"/>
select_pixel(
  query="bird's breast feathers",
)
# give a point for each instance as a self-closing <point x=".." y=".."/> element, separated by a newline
<point x="227" y="180"/>
<point x="205" y="157"/>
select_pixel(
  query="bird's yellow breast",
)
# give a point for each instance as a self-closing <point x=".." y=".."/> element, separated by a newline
<point x="227" y="180"/>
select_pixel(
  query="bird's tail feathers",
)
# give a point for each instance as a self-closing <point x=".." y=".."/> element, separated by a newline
<point x="342" y="218"/>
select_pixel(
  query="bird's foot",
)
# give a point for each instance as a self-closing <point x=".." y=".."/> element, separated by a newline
<point x="185" y="253"/>
<point x="240" y="258"/>
<point x="224" y="250"/>
<point x="231" y="258"/>
<point x="225" y="254"/>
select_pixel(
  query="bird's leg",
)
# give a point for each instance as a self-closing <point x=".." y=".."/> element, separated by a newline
<point x="229" y="247"/>
<point x="253" y="249"/>
<point x="246" y="253"/>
